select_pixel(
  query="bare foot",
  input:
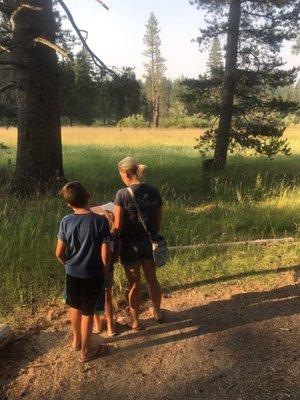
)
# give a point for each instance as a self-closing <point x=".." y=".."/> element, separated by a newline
<point x="127" y="321"/>
<point x="111" y="330"/>
<point x="97" y="352"/>
<point x="76" y="345"/>
<point x="158" y="316"/>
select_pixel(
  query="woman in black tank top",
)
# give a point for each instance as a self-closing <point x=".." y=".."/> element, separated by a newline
<point x="136" y="251"/>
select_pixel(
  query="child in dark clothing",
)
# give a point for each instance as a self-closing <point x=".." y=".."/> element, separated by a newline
<point x="83" y="247"/>
<point x="115" y="249"/>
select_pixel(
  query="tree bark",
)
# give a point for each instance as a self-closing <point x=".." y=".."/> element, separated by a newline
<point x="223" y="133"/>
<point x="39" y="166"/>
<point x="156" y="112"/>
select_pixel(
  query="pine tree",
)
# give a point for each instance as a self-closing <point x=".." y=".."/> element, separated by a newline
<point x="85" y="89"/>
<point x="215" y="61"/>
<point x="296" y="47"/>
<point x="29" y="37"/>
<point x="248" y="115"/>
<point x="39" y="152"/>
<point x="155" y="68"/>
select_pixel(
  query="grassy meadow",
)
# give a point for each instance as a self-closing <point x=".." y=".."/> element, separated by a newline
<point x="255" y="198"/>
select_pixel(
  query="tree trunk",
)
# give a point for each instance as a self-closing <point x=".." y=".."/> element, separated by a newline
<point x="39" y="166"/>
<point x="156" y="112"/>
<point x="223" y="134"/>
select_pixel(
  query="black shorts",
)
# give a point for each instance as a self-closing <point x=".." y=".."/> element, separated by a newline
<point x="134" y="253"/>
<point x="87" y="295"/>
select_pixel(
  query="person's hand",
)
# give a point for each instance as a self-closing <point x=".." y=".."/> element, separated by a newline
<point x="97" y="210"/>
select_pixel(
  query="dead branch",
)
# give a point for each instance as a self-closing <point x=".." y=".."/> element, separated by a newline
<point x="259" y="242"/>
<point x="53" y="46"/>
<point x="21" y="8"/>
<point x="103" y="4"/>
<point x="99" y="63"/>
<point x="8" y="86"/>
<point x="3" y="48"/>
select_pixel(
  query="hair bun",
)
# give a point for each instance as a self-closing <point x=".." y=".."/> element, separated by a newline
<point x="129" y="164"/>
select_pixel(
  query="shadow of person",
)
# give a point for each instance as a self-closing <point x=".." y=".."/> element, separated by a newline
<point x="217" y="316"/>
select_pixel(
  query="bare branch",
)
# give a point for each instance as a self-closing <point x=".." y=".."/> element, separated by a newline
<point x="103" y="4"/>
<point x="53" y="46"/>
<point x="99" y="63"/>
<point x="8" y="86"/>
<point x="21" y="8"/>
<point x="3" y="48"/>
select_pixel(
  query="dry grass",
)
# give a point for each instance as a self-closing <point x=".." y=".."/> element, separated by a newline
<point x="116" y="137"/>
<point x="254" y="198"/>
<point x="129" y="137"/>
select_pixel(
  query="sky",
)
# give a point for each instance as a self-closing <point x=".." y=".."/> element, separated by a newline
<point x="116" y="36"/>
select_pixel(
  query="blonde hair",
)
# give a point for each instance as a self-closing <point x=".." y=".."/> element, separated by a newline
<point x="131" y="166"/>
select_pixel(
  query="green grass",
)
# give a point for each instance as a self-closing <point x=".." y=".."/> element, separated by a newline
<point x="255" y="198"/>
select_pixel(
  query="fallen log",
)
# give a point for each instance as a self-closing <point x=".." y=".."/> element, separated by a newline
<point x="6" y="335"/>
<point x="259" y="242"/>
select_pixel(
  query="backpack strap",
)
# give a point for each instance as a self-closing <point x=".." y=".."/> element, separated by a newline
<point x="140" y="215"/>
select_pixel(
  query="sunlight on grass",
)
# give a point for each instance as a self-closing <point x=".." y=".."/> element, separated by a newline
<point x="254" y="198"/>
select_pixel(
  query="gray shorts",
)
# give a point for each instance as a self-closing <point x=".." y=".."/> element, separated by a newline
<point x="135" y="252"/>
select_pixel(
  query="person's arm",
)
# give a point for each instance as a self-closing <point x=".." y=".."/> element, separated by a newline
<point x="118" y="212"/>
<point x="60" y="252"/>
<point x="105" y="256"/>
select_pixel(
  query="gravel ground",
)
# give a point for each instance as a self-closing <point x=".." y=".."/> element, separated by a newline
<point x="237" y="342"/>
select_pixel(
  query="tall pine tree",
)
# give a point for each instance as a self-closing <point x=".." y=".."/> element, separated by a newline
<point x="215" y="60"/>
<point x="155" y="68"/>
<point x="39" y="164"/>
<point x="29" y="36"/>
<point x="296" y="47"/>
<point x="248" y="116"/>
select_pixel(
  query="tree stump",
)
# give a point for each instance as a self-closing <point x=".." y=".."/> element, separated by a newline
<point x="6" y="335"/>
<point x="207" y="165"/>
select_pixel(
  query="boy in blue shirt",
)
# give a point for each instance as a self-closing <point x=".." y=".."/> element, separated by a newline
<point x="84" y="250"/>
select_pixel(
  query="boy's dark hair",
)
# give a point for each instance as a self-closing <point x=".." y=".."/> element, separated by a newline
<point x="75" y="194"/>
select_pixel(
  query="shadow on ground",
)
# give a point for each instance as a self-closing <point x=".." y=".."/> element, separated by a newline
<point x="217" y="316"/>
<point x="242" y="275"/>
<point x="217" y="350"/>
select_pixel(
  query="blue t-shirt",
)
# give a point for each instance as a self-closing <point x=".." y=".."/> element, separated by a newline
<point x="84" y="235"/>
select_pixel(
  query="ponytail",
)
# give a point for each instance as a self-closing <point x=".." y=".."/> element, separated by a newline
<point x="131" y="166"/>
<point x="141" y="169"/>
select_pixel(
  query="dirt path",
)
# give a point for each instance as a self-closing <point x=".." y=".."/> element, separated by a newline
<point x="239" y="342"/>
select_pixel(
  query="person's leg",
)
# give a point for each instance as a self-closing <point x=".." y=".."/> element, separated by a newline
<point x="86" y="334"/>
<point x="73" y="299"/>
<point x="149" y="269"/>
<point x="98" y="323"/>
<point x="92" y="291"/>
<point x="109" y="311"/>
<point x="75" y="316"/>
<point x="134" y="277"/>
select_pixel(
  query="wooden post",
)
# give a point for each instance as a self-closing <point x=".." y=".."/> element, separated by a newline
<point x="259" y="242"/>
<point x="6" y="335"/>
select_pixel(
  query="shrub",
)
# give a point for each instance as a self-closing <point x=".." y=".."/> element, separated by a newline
<point x="178" y="118"/>
<point x="134" y="121"/>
